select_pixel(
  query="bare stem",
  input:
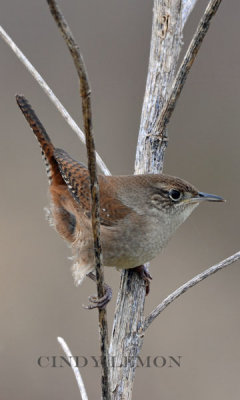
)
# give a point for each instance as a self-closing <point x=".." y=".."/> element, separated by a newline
<point x="186" y="65"/>
<point x="187" y="7"/>
<point x="166" y="41"/>
<point x="50" y="94"/>
<point x="87" y="118"/>
<point x="74" y="368"/>
<point x="182" y="289"/>
<point x="165" y="49"/>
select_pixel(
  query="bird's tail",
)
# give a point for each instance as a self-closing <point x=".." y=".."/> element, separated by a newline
<point x="44" y="140"/>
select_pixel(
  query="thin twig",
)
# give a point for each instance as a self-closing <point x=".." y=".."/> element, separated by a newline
<point x="50" y="94"/>
<point x="192" y="282"/>
<point x="75" y="369"/>
<point x="186" y="65"/>
<point x="187" y="7"/>
<point x="87" y="118"/>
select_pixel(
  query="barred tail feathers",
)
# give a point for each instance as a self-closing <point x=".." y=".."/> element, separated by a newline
<point x="44" y="140"/>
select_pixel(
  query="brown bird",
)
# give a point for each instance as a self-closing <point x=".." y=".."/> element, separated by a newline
<point x="138" y="213"/>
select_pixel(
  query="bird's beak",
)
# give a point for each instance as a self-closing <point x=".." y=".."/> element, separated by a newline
<point x="206" y="196"/>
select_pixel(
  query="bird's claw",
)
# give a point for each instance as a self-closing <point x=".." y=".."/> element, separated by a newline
<point x="145" y="275"/>
<point x="100" y="302"/>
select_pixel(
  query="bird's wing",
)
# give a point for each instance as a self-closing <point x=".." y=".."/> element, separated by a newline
<point x="76" y="176"/>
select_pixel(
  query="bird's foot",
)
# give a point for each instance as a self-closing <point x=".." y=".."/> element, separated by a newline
<point x="145" y="275"/>
<point x="99" y="302"/>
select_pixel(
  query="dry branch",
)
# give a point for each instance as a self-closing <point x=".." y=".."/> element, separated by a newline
<point x="35" y="74"/>
<point x="187" y="7"/>
<point x="87" y="119"/>
<point x="192" y="282"/>
<point x="74" y="368"/>
<point x="185" y="67"/>
<point x="166" y="43"/>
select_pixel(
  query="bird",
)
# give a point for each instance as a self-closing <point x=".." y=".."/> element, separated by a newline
<point x="138" y="213"/>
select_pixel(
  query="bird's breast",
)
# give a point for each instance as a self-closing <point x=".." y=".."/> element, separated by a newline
<point x="134" y="244"/>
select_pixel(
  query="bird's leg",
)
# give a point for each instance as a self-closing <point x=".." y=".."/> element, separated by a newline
<point x="103" y="301"/>
<point x="145" y="275"/>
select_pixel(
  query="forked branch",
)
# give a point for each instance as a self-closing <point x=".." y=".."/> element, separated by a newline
<point x="87" y="119"/>
<point x="131" y="301"/>
<point x="186" y="65"/>
<point x="166" y="42"/>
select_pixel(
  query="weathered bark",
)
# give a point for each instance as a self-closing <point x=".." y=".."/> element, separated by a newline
<point x="166" y="43"/>
<point x="160" y="98"/>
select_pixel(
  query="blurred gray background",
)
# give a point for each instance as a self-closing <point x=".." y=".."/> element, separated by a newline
<point x="38" y="299"/>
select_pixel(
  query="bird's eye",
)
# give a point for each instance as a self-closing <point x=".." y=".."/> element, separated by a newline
<point x="175" y="195"/>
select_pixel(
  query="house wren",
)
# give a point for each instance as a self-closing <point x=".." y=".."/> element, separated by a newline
<point x="138" y="213"/>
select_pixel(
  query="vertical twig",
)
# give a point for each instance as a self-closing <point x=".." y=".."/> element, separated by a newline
<point x="87" y="118"/>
